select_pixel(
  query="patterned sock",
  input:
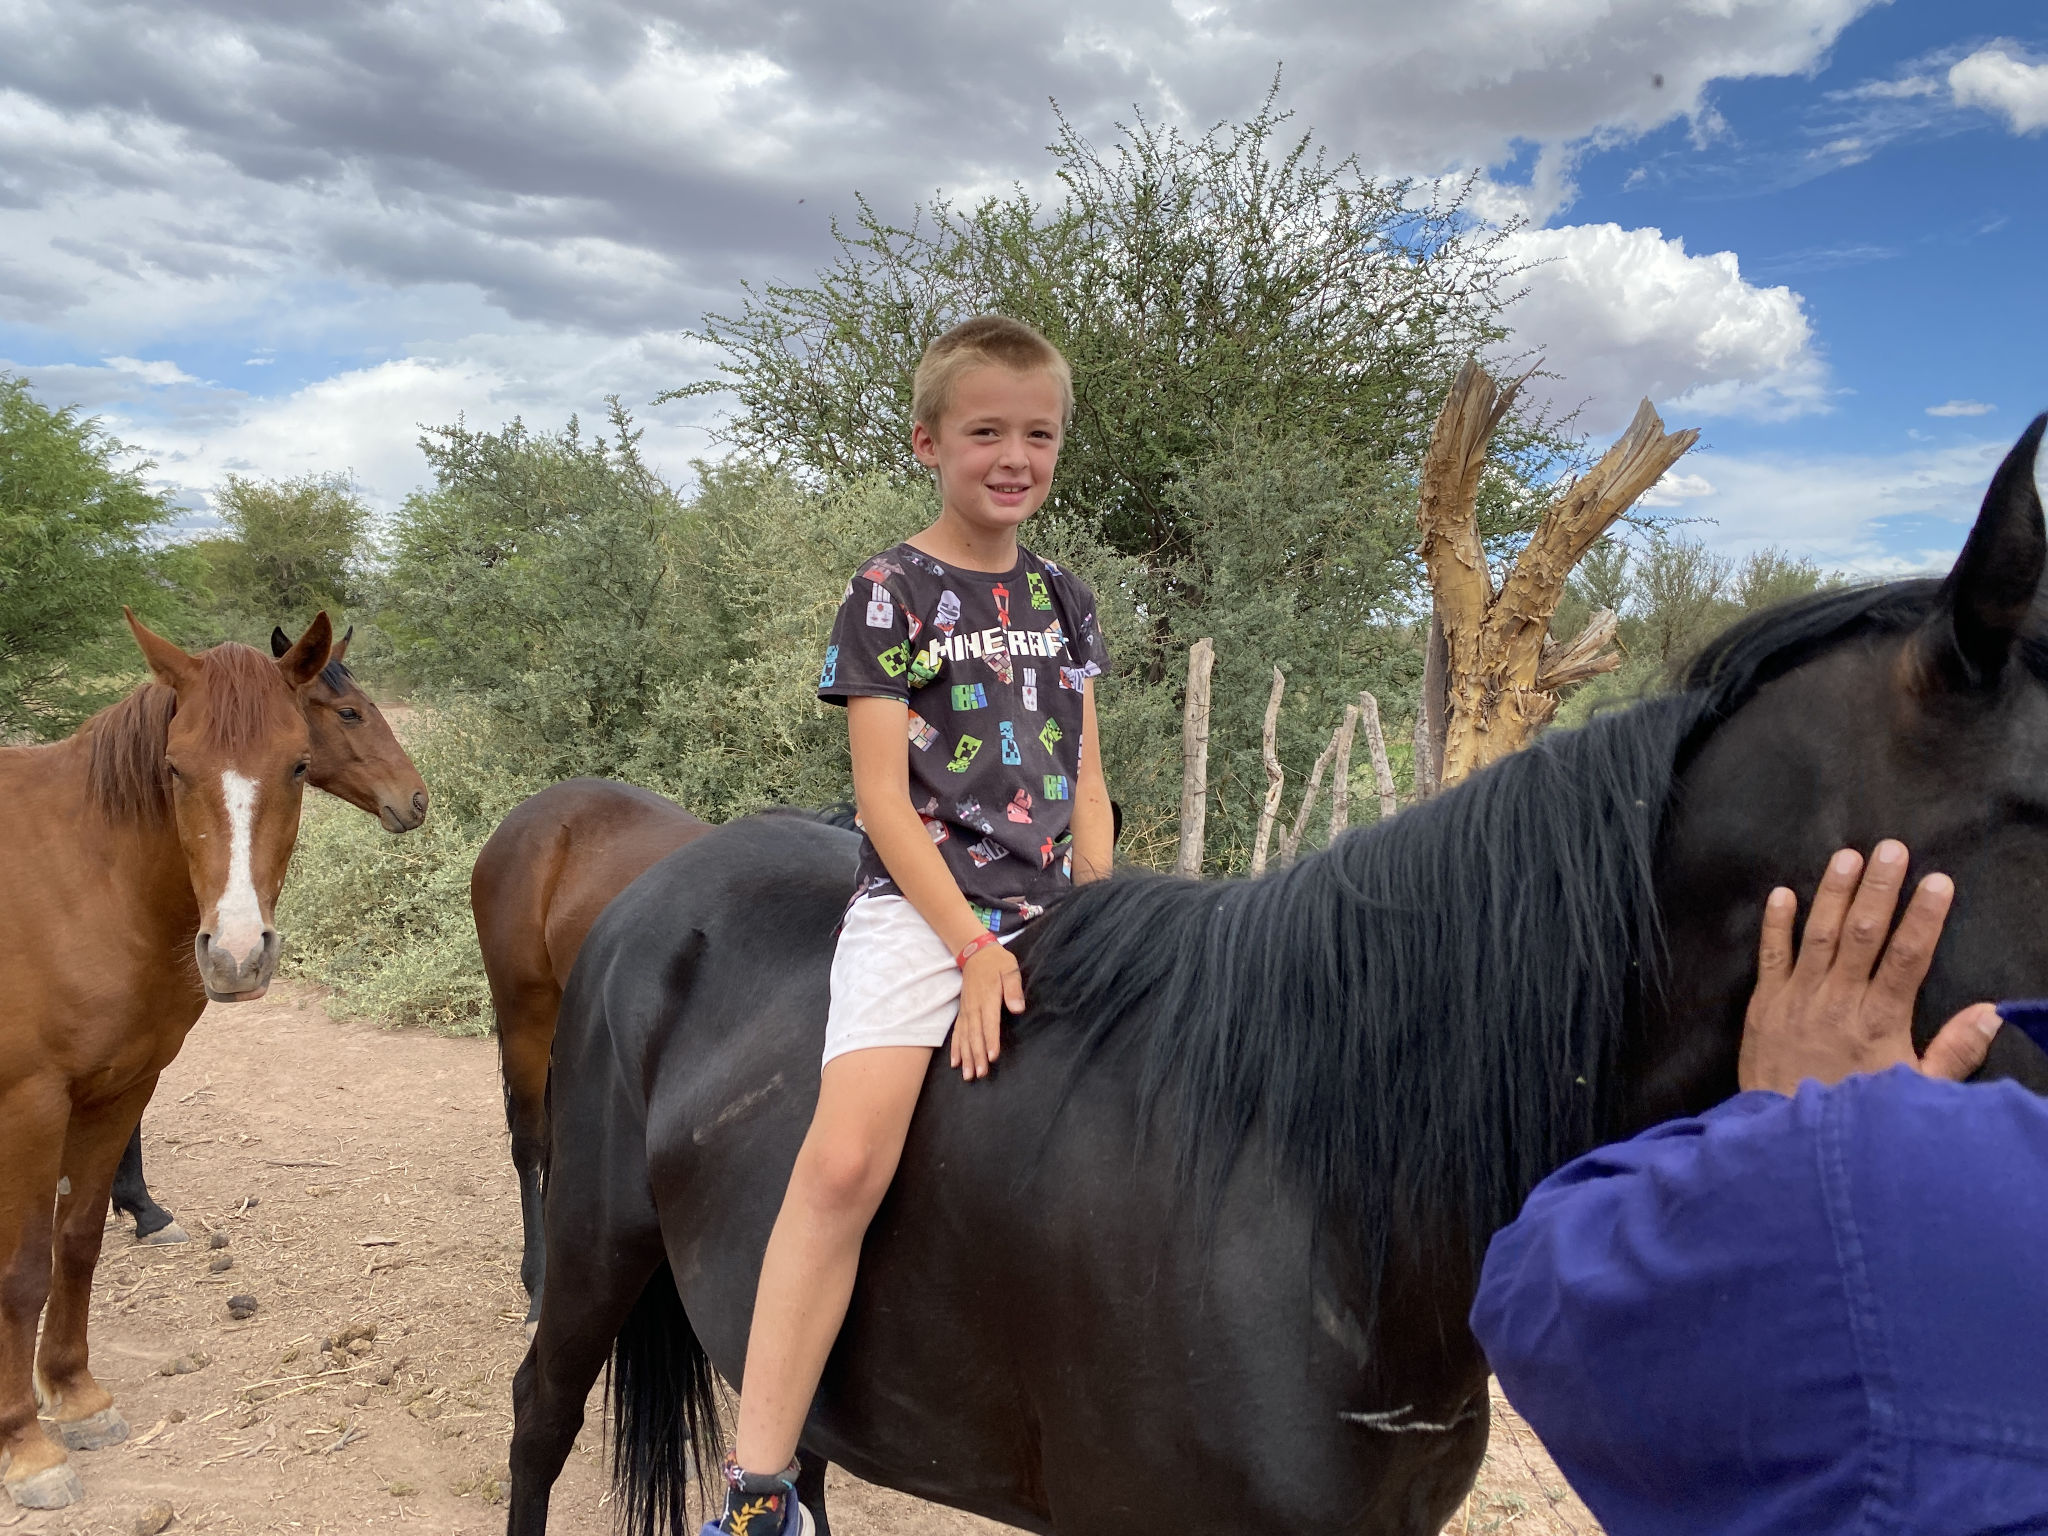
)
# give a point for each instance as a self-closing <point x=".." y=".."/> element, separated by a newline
<point x="756" y="1503"/>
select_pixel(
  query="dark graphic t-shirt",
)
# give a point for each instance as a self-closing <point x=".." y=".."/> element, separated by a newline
<point x="992" y="667"/>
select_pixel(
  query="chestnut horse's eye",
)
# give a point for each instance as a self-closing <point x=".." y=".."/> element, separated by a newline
<point x="298" y="770"/>
<point x="172" y="768"/>
<point x="352" y="716"/>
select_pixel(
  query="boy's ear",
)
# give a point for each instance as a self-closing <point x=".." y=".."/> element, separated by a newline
<point x="924" y="444"/>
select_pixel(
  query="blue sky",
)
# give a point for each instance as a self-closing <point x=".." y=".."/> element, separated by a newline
<point x="277" y="240"/>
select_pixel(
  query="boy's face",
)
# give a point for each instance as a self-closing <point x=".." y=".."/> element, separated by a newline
<point x="996" y="445"/>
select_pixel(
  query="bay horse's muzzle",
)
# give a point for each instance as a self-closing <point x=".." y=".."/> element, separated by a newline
<point x="229" y="979"/>
<point x="403" y="818"/>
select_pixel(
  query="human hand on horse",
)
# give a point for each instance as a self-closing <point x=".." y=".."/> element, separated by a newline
<point x="991" y="983"/>
<point x="1840" y="1000"/>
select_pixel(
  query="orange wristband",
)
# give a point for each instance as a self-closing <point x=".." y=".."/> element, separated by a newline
<point x="973" y="947"/>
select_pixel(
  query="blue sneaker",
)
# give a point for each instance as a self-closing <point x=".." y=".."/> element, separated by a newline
<point x="757" y="1504"/>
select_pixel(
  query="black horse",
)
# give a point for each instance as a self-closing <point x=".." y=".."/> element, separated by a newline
<point x="1199" y="1256"/>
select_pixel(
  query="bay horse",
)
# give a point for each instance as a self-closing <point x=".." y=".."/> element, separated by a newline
<point x="1198" y="1256"/>
<point x="355" y="758"/>
<point x="540" y="880"/>
<point x="142" y="865"/>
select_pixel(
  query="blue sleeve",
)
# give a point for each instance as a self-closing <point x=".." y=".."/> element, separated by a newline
<point x="1784" y="1314"/>
<point x="1621" y="1311"/>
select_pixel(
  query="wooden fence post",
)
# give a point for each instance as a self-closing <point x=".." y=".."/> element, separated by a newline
<point x="1376" y="743"/>
<point x="1194" y="752"/>
<point x="1276" y="776"/>
<point x="1292" y="841"/>
<point x="1340" y="774"/>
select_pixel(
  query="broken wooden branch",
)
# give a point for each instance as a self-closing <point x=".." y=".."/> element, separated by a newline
<point x="1499" y="691"/>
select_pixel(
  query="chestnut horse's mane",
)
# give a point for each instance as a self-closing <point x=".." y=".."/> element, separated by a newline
<point x="125" y="772"/>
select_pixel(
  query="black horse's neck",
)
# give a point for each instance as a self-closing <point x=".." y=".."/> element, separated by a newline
<point x="1429" y="1010"/>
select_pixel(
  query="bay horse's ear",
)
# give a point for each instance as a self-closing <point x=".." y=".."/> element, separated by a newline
<point x="167" y="663"/>
<point x="341" y="645"/>
<point x="302" y="663"/>
<point x="1985" y="601"/>
<point x="280" y="642"/>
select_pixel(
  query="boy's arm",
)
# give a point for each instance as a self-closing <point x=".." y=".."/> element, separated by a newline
<point x="878" y="730"/>
<point x="1094" y="823"/>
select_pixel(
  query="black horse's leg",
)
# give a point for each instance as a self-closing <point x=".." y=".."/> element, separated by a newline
<point x="810" y="1487"/>
<point x="153" y="1224"/>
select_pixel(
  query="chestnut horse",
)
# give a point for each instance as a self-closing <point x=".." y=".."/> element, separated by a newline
<point x="539" y="883"/>
<point x="142" y="864"/>
<point x="355" y="758"/>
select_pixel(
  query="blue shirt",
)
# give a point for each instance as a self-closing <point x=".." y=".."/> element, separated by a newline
<point x="1820" y="1314"/>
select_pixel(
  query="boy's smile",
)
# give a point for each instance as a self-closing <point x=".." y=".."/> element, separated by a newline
<point x="995" y="450"/>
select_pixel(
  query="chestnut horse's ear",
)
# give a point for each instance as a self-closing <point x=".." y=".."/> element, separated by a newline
<point x="1985" y="601"/>
<point x="170" y="665"/>
<point x="280" y="642"/>
<point x="302" y="663"/>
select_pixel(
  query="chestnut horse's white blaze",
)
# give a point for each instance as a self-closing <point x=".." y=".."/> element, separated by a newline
<point x="238" y="923"/>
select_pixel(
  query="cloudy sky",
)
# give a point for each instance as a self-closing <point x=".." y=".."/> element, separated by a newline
<point x="267" y="236"/>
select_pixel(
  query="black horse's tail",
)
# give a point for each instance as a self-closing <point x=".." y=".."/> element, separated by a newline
<point x="665" y="1400"/>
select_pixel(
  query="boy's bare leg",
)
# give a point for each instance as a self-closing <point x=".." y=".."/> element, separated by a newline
<point x="864" y="1104"/>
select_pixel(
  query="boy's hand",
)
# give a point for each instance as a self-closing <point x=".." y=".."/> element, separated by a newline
<point x="992" y="982"/>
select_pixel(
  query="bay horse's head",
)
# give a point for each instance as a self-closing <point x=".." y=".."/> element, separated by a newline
<point x="237" y="751"/>
<point x="1916" y="710"/>
<point x="355" y="756"/>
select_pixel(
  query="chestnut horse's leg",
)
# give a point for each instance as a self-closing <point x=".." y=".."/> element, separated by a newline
<point x="153" y="1224"/>
<point x="83" y="1409"/>
<point x="32" y="1465"/>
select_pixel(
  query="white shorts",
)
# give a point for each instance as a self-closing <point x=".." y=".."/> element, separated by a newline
<point x="893" y="980"/>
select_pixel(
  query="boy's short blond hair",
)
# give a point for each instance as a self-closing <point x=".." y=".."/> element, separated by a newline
<point x="985" y="341"/>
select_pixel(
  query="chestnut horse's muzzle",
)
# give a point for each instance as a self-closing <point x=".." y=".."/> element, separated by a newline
<point x="229" y="979"/>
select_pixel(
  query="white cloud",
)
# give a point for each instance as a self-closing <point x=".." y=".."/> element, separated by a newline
<point x="1624" y="314"/>
<point x="2011" y="88"/>
<point x="1872" y="515"/>
<point x="1961" y="408"/>
<point x="488" y="210"/>
<point x="367" y="421"/>
<point x="1676" y="488"/>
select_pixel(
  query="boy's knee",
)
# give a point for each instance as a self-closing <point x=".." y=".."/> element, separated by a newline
<point x="846" y="1174"/>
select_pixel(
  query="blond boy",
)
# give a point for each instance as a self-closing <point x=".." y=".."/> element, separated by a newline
<point x="967" y="667"/>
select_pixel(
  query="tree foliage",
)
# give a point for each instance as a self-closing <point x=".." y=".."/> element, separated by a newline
<point x="1193" y="282"/>
<point x="1672" y="595"/>
<point x="77" y="536"/>
<point x="287" y="549"/>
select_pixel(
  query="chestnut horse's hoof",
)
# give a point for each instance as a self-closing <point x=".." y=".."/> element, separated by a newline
<point x="51" y="1488"/>
<point x="171" y="1234"/>
<point x="95" y="1432"/>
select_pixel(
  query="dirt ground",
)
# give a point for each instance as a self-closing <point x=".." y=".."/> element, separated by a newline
<point x="356" y="1182"/>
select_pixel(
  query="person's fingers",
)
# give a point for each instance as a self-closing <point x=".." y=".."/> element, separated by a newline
<point x="1013" y="990"/>
<point x="1774" y="952"/>
<point x="1960" y="1046"/>
<point x="1871" y="911"/>
<point x="1825" y="917"/>
<point x="1911" y="950"/>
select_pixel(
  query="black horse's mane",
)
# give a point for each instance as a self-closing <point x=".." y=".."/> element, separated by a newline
<point x="1426" y="1016"/>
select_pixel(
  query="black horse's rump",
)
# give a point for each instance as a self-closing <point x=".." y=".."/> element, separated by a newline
<point x="1197" y="1256"/>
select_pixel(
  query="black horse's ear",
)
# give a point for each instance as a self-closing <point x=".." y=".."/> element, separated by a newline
<point x="1985" y="601"/>
<point x="280" y="642"/>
